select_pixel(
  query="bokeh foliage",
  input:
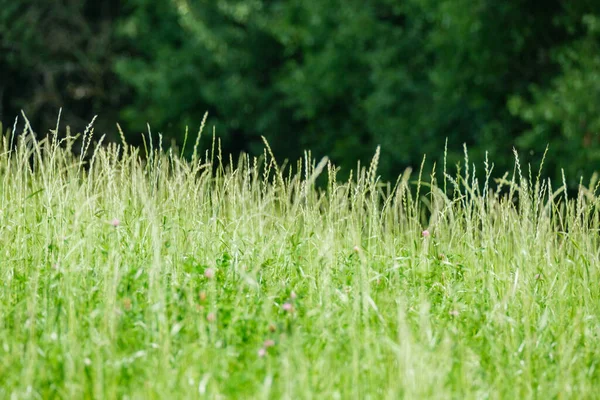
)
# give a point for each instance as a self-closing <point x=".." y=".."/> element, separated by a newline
<point x="337" y="77"/>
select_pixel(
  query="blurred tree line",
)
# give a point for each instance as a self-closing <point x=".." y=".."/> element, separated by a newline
<point x="337" y="77"/>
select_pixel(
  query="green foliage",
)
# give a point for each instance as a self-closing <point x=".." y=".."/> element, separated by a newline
<point x="164" y="278"/>
<point x="336" y="77"/>
<point x="564" y="112"/>
<point x="55" y="55"/>
<point x="340" y="77"/>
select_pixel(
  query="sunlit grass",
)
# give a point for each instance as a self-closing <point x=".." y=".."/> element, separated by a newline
<point x="178" y="279"/>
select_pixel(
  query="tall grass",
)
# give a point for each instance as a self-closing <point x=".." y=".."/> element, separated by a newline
<point x="166" y="278"/>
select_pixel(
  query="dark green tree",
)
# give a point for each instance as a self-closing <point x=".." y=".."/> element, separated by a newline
<point x="563" y="110"/>
<point x="59" y="54"/>
<point x="338" y="77"/>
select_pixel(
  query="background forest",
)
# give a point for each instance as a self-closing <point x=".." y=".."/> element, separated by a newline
<point x="336" y="77"/>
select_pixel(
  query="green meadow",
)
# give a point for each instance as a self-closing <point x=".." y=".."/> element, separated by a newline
<point x="136" y="273"/>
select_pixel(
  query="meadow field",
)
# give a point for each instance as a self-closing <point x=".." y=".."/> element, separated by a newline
<point x="137" y="274"/>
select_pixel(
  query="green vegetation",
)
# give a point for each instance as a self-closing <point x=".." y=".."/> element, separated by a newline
<point x="168" y="278"/>
<point x="338" y="77"/>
